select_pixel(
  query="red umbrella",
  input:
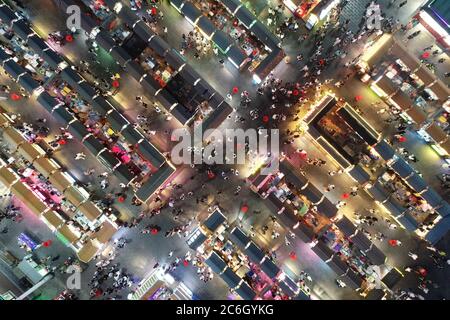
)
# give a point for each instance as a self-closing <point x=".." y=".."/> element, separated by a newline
<point x="235" y="89"/>
<point x="185" y="263"/>
<point x="358" y="98"/>
<point x="154" y="231"/>
<point x="116" y="83"/>
<point x="393" y="242"/>
<point x="295" y="92"/>
<point x="153" y="11"/>
<point x="426" y="55"/>
<point x="47" y="243"/>
<point x="244" y="208"/>
<point x="121" y="199"/>
<point x="15" y="97"/>
<point x="345" y="196"/>
<point x="402" y="139"/>
<point x="69" y="38"/>
<point x="423" y="272"/>
<point x="61" y="142"/>
<point x="211" y="174"/>
<point x="293" y="255"/>
<point x="321" y="62"/>
<point x="265" y="118"/>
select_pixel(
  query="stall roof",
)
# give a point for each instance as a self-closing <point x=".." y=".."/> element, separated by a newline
<point x="191" y="12"/>
<point x="394" y="207"/>
<point x="108" y="159"/>
<point x="28" y="198"/>
<point x="346" y="226"/>
<point x="245" y="292"/>
<point x="91" y="212"/>
<point x="8" y="176"/>
<point x="120" y="55"/>
<point x="117" y="121"/>
<point x="402" y="168"/>
<point x="245" y="17"/>
<point x="3" y="56"/>
<point x="417" y="115"/>
<point x="143" y="31"/>
<point x="107" y="230"/>
<point x="361" y="241"/>
<point x="69" y="234"/>
<point x="359" y="174"/>
<point x="131" y="135"/>
<point x="53" y="218"/>
<point x="59" y="181"/>
<point x="174" y="59"/>
<point x="352" y="279"/>
<point x="45" y="166"/>
<point x="337" y="265"/>
<point x="216" y="117"/>
<point x="63" y="115"/>
<point x="74" y="196"/>
<point x="376" y="256"/>
<point x="408" y="221"/>
<point x="392" y="278"/>
<point x="105" y="41"/>
<point x="13" y="69"/>
<point x="358" y="124"/>
<point x="440" y="90"/>
<point x="6" y="14"/>
<point x="154" y="182"/>
<point x="30" y="152"/>
<point x="177" y="3"/>
<point x="322" y="251"/>
<point x="216" y="263"/>
<point x="327" y="208"/>
<point x="182" y="114"/>
<point x="70" y="76"/>
<point x="88" y="23"/>
<point x="150" y="85"/>
<point x="439" y="230"/>
<point x="123" y="173"/>
<point x="264" y="35"/>
<point x="436" y="132"/>
<point x="231" y="5"/>
<point x="13" y="138"/>
<point x="221" y="40"/>
<point x="417" y="183"/>
<point x="101" y="105"/>
<point x="375" y="294"/>
<point x="78" y="130"/>
<point x="424" y="74"/>
<point x="166" y="99"/>
<point x="52" y="58"/>
<point x="254" y="252"/>
<point x="446" y="146"/>
<point x="236" y="55"/>
<point x="444" y="210"/>
<point x="432" y="197"/>
<point x="128" y="16"/>
<point x="270" y="268"/>
<point x="215" y="100"/>
<point x="85" y="90"/>
<point x="135" y="70"/>
<point x="159" y="46"/>
<point x="93" y="145"/>
<point x="400" y="52"/>
<point x="305" y="233"/>
<point x="230" y="278"/>
<point x="385" y="150"/>
<point x="87" y="251"/>
<point x="312" y="193"/>
<point x="37" y="44"/>
<point x="299" y="180"/>
<point x="402" y="100"/>
<point x="238" y="237"/>
<point x="196" y="239"/>
<point x="151" y="154"/>
<point x="386" y="85"/>
<point x="189" y="74"/>
<point x="21" y="28"/>
<point x="28" y="83"/>
<point x="206" y="26"/>
<point x="214" y="221"/>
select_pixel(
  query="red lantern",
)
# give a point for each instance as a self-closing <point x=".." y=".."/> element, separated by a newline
<point x="154" y="231"/>
<point x="358" y="98"/>
<point x="393" y="242"/>
<point x="61" y="142"/>
<point x="426" y="55"/>
<point x="115" y="83"/>
<point x="295" y="92"/>
<point x="293" y="255"/>
<point x="402" y="139"/>
<point x="69" y="38"/>
<point x="235" y="90"/>
<point x="121" y="199"/>
<point x="15" y="97"/>
<point x="153" y="11"/>
<point x="345" y="196"/>
<point x="265" y="118"/>
<point x="244" y="208"/>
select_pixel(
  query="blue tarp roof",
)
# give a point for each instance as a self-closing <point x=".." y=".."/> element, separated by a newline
<point x="131" y="135"/>
<point x="394" y="207"/>
<point x="432" y="197"/>
<point x="265" y="35"/>
<point x="190" y="11"/>
<point x="402" y="168"/>
<point x="322" y="250"/>
<point x="417" y="183"/>
<point x="337" y="265"/>
<point x="47" y="101"/>
<point x="439" y="230"/>
<point x="231" y="5"/>
<point x="359" y="174"/>
<point x="37" y="44"/>
<point x="151" y="154"/>
<point x="216" y="263"/>
<point x="327" y="208"/>
<point x="444" y="210"/>
<point x="117" y="121"/>
<point x="254" y="253"/>
<point x="245" y="16"/>
<point x="376" y="256"/>
<point x="236" y="55"/>
<point x="270" y="268"/>
<point x="52" y="58"/>
<point x="6" y="14"/>
<point x="408" y="221"/>
<point x="346" y="226"/>
<point x="312" y="193"/>
<point x="13" y="69"/>
<point x="214" y="221"/>
<point x="384" y="150"/>
<point x="230" y="278"/>
<point x="245" y="292"/>
<point x="196" y="239"/>
<point x="101" y="105"/>
<point x="78" y="130"/>
<point x="221" y="40"/>
<point x="21" y="29"/>
<point x="206" y="26"/>
<point x="156" y="180"/>
<point x="378" y="192"/>
<point x="63" y="115"/>
<point x="28" y="83"/>
<point x="158" y="45"/>
<point x="238" y="237"/>
<point x="361" y="241"/>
